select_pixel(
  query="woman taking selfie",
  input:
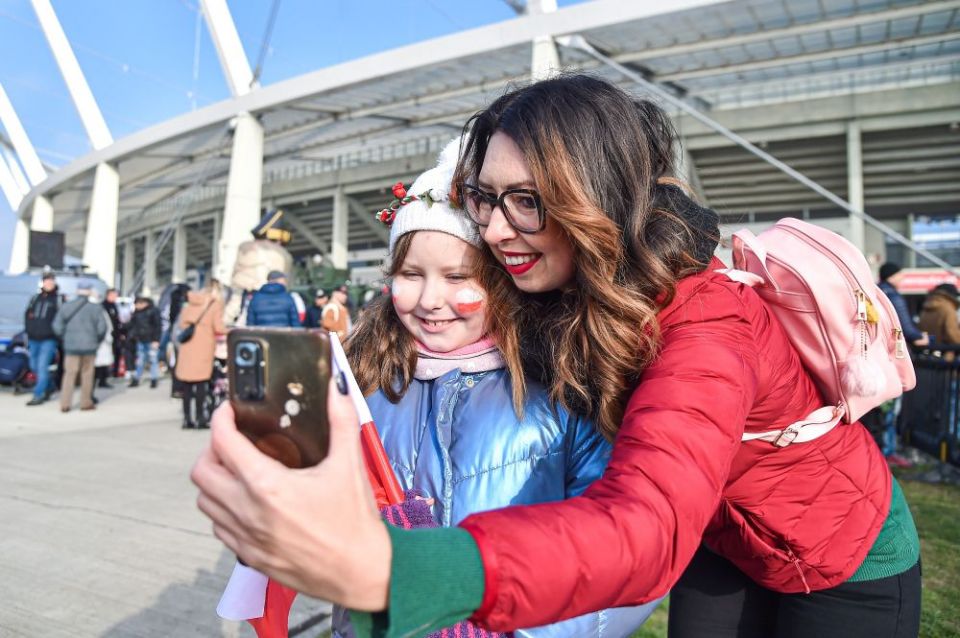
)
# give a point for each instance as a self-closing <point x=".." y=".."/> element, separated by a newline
<point x="626" y="321"/>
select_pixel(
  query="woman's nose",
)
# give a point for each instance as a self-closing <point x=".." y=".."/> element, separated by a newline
<point x="499" y="229"/>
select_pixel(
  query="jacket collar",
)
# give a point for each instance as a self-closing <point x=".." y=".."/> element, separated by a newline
<point x="688" y="287"/>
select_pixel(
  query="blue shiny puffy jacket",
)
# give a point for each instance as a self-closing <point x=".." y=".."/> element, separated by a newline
<point x="272" y="305"/>
<point x="458" y="440"/>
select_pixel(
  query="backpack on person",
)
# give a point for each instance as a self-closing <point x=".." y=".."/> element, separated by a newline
<point x="846" y="331"/>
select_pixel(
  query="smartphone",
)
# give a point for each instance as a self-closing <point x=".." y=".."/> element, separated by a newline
<point x="278" y="390"/>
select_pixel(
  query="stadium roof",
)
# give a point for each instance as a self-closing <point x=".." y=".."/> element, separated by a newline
<point x="722" y="55"/>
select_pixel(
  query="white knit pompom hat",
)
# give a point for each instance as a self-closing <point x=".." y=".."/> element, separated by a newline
<point x="427" y="205"/>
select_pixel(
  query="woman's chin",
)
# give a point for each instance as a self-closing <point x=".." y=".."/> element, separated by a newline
<point x="534" y="284"/>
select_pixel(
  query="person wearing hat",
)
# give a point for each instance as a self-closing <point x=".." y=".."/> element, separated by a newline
<point x="938" y="316"/>
<point x="313" y="312"/>
<point x="272" y="305"/>
<point x="890" y="276"/>
<point x="335" y="316"/>
<point x="82" y="326"/>
<point x="38" y="320"/>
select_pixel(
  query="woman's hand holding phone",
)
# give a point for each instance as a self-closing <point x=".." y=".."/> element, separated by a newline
<point x="317" y="529"/>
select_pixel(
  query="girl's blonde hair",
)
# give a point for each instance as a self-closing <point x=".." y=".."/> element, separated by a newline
<point x="383" y="354"/>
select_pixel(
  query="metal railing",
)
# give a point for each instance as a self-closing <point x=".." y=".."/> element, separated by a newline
<point x="930" y="419"/>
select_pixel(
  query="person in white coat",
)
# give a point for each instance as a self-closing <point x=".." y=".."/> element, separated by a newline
<point x="103" y="361"/>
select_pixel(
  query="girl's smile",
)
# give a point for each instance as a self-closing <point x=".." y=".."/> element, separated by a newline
<point x="435" y="295"/>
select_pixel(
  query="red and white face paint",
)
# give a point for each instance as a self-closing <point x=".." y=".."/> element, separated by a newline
<point x="469" y="301"/>
<point x="396" y="289"/>
<point x="434" y="296"/>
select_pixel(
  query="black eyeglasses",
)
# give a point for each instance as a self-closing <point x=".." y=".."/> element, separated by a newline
<point x="521" y="207"/>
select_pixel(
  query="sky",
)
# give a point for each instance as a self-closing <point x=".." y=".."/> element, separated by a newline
<point x="149" y="60"/>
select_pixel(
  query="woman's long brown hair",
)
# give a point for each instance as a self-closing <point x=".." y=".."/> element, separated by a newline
<point x="599" y="159"/>
<point x="383" y="354"/>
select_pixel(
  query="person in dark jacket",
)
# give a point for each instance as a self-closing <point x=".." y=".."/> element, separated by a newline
<point x="272" y="305"/>
<point x="82" y="326"/>
<point x="145" y="330"/>
<point x="38" y="320"/>
<point x="890" y="276"/>
<point x="171" y="302"/>
<point x="314" y="312"/>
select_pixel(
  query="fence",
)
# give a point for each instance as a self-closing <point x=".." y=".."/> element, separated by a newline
<point x="929" y="418"/>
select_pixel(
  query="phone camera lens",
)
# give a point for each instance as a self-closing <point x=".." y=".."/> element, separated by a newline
<point x="246" y="354"/>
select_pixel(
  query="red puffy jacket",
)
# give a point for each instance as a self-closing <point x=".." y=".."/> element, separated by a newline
<point x="794" y="519"/>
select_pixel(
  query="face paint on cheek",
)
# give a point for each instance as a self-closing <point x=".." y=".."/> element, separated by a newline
<point x="469" y="301"/>
<point x="395" y="291"/>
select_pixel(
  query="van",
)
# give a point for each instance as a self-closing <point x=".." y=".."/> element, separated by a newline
<point x="17" y="290"/>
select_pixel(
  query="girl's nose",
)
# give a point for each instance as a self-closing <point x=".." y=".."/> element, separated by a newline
<point x="431" y="298"/>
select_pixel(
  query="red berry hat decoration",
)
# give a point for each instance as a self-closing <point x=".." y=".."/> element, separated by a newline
<point x="388" y="214"/>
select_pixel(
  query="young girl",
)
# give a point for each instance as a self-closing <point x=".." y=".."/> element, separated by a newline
<point x="439" y="363"/>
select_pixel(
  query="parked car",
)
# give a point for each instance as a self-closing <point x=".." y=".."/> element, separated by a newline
<point x="16" y="291"/>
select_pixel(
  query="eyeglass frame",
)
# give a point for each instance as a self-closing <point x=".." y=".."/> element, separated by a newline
<point x="497" y="201"/>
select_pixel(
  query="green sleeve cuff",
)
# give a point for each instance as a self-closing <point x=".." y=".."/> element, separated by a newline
<point x="436" y="580"/>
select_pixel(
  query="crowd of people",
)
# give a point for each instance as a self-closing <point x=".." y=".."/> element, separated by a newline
<point x="94" y="340"/>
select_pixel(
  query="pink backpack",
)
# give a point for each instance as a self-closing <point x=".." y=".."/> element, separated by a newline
<point x="844" y="328"/>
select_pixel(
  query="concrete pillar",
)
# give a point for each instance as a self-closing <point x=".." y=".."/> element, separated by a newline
<point x="150" y="263"/>
<point x="15" y="187"/>
<point x="546" y="60"/>
<point x="911" y="254"/>
<point x="341" y="222"/>
<point x="19" y="180"/>
<point x="855" y="182"/>
<point x="41" y="217"/>
<point x="179" y="254"/>
<point x="685" y="170"/>
<point x="19" y="250"/>
<point x="21" y="233"/>
<point x="9" y="185"/>
<point x="99" y="246"/>
<point x="241" y="211"/>
<point x="215" y="249"/>
<point x="128" y="267"/>
<point x="100" y="241"/>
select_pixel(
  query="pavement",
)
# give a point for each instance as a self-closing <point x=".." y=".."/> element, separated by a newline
<point x="99" y="530"/>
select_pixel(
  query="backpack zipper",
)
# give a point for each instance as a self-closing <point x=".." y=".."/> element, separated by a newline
<point x="860" y="296"/>
<point x="900" y="351"/>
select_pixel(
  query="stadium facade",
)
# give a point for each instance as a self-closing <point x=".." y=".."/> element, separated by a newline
<point x="862" y="96"/>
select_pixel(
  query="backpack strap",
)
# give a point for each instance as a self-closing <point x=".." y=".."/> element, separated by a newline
<point x="73" y="314"/>
<point x="742" y="276"/>
<point x="812" y="426"/>
<point x="200" y="318"/>
<point x="746" y="238"/>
